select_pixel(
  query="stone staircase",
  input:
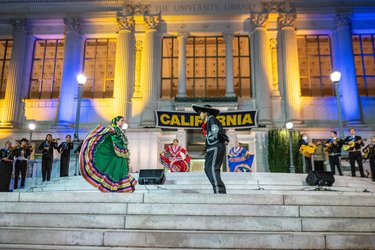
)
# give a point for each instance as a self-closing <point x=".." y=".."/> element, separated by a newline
<point x="183" y="214"/>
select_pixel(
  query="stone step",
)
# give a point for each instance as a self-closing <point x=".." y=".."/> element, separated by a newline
<point x="188" y="222"/>
<point x="343" y="211"/>
<point x="50" y="247"/>
<point x="254" y="198"/>
<point x="162" y="239"/>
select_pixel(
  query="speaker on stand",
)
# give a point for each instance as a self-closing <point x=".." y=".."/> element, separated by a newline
<point x="151" y="177"/>
<point x="320" y="179"/>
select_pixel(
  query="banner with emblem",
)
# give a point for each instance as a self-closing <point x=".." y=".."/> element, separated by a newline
<point x="229" y="119"/>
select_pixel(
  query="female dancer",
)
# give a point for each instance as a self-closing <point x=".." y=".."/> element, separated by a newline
<point x="104" y="158"/>
<point x="175" y="162"/>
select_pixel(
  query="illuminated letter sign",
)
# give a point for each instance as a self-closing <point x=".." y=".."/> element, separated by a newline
<point x="229" y="119"/>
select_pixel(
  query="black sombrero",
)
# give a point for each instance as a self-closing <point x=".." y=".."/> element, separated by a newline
<point x="205" y="108"/>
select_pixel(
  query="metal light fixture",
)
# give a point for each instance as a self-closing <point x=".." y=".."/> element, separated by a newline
<point x="289" y="126"/>
<point x="335" y="78"/>
<point x="81" y="79"/>
<point x="31" y="128"/>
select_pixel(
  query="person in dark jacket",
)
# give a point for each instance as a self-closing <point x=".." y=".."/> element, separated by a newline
<point x="333" y="147"/>
<point x="6" y="166"/>
<point x="47" y="156"/>
<point x="355" y="143"/>
<point x="215" y="145"/>
<point x="371" y="147"/>
<point x="22" y="154"/>
<point x="64" y="149"/>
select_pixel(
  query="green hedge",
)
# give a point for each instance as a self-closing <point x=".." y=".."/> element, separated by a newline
<point x="278" y="151"/>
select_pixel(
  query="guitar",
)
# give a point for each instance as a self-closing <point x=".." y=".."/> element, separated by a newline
<point x="350" y="145"/>
<point x="327" y="147"/>
<point x="368" y="150"/>
<point x="307" y="150"/>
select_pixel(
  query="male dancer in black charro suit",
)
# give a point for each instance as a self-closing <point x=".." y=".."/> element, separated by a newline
<point x="215" y="145"/>
<point x="355" y="151"/>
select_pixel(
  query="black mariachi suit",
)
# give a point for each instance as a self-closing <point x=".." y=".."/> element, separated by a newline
<point x="6" y="169"/>
<point x="355" y="154"/>
<point x="334" y="153"/>
<point x="47" y="159"/>
<point x="21" y="165"/>
<point x="372" y="160"/>
<point x="215" y="149"/>
<point x="64" y="149"/>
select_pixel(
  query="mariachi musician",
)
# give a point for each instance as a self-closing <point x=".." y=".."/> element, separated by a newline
<point x="22" y="155"/>
<point x="306" y="149"/>
<point x="6" y="166"/>
<point x="333" y="148"/>
<point x="47" y="147"/>
<point x="353" y="144"/>
<point x="369" y="151"/>
<point x="64" y="149"/>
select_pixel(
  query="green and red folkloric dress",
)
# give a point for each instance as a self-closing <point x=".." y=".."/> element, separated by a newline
<point x="104" y="160"/>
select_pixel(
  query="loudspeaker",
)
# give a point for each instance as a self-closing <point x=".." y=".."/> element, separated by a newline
<point x="151" y="176"/>
<point x="320" y="178"/>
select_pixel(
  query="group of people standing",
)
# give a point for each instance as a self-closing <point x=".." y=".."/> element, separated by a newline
<point x="15" y="160"/>
<point x="353" y="143"/>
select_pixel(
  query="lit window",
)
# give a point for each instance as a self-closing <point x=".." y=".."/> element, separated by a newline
<point x="48" y="61"/>
<point x="315" y="65"/>
<point x="205" y="67"/>
<point x="364" y="61"/>
<point x="99" y="67"/>
<point x="5" y="53"/>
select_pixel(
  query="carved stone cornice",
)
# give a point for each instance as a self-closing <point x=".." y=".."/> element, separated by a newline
<point x="343" y="19"/>
<point x="151" y="21"/>
<point x="72" y="24"/>
<point x="20" y="25"/>
<point x="274" y="6"/>
<point x="287" y="19"/>
<point x="258" y="19"/>
<point x="125" y="22"/>
<point x="138" y="8"/>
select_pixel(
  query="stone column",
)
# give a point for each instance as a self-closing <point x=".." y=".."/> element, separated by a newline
<point x="229" y="86"/>
<point x="182" y="40"/>
<point x="150" y="69"/>
<point x="344" y="62"/>
<point x="124" y="69"/>
<point x="15" y="80"/>
<point x="262" y="67"/>
<point x="73" y="54"/>
<point x="290" y="67"/>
